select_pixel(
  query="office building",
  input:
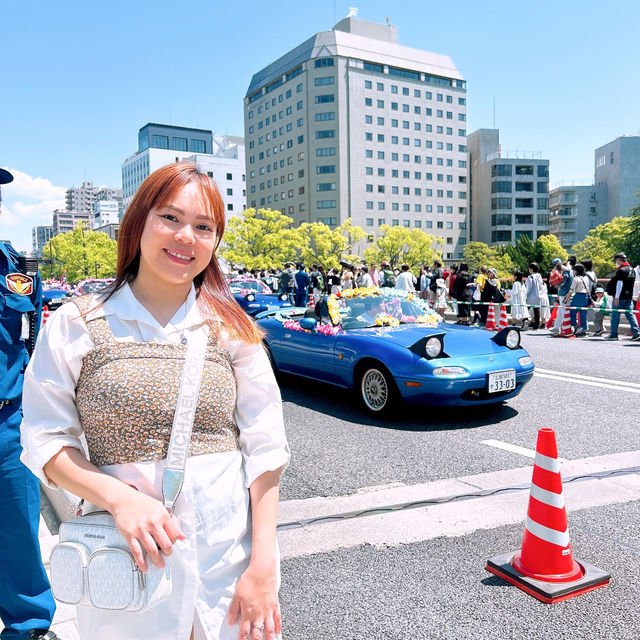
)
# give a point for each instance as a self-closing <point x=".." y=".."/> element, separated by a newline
<point x="112" y="194"/>
<point x="351" y="124"/>
<point x="64" y="221"/>
<point x="221" y="157"/>
<point x="40" y="235"/>
<point x="509" y="191"/>
<point x="573" y="211"/>
<point x="617" y="174"/>
<point x="105" y="212"/>
<point x="81" y="199"/>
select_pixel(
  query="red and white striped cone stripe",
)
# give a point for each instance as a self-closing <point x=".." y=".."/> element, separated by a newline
<point x="546" y="548"/>
<point x="552" y="317"/>
<point x="491" y="319"/>
<point x="504" y="321"/>
<point x="45" y="314"/>
<point x="565" y="329"/>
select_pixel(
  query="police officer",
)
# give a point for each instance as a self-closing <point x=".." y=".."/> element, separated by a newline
<point x="26" y="604"/>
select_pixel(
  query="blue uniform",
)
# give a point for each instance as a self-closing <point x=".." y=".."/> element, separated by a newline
<point x="26" y="602"/>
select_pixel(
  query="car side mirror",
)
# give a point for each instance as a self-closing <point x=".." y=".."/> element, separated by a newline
<point x="308" y="324"/>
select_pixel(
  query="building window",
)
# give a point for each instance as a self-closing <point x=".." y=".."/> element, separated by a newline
<point x="323" y="62"/>
<point x="328" y="97"/>
<point x="501" y="186"/>
<point x="524" y="170"/>
<point x="368" y="84"/>
<point x="369" y="204"/>
<point x="524" y="186"/>
<point x="326" y="151"/>
<point x="179" y="144"/>
<point x="327" y="168"/>
<point x="524" y="203"/>
<point x="323" y="80"/>
<point x="326" y="133"/>
<point x="328" y="115"/>
<point x="543" y="203"/>
<point x="229" y="192"/>
<point x="229" y="207"/>
<point x="198" y="146"/>
<point x="543" y="171"/>
<point x="543" y="187"/>
<point x="326" y="186"/>
<point x="369" y="222"/>
<point x="368" y="102"/>
<point x="326" y="204"/>
<point x="160" y="142"/>
<point x="500" y="203"/>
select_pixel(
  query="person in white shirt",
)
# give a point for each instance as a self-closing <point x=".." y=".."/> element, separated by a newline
<point x="109" y="368"/>
<point x="367" y="281"/>
<point x="405" y="279"/>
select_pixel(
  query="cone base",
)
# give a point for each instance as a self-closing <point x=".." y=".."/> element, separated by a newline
<point x="548" y="592"/>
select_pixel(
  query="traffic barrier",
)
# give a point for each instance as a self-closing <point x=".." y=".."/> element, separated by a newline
<point x="504" y="322"/>
<point x="565" y="329"/>
<point x="544" y="567"/>
<point x="45" y="314"/>
<point x="491" y="319"/>
<point x="552" y="317"/>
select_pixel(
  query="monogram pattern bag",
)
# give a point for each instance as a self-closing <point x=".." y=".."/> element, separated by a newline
<point x="91" y="564"/>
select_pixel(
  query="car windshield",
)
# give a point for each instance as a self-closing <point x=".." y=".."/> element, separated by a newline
<point x="249" y="285"/>
<point x="380" y="310"/>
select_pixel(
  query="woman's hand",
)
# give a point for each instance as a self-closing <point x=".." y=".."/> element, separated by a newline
<point x="147" y="527"/>
<point x="255" y="605"/>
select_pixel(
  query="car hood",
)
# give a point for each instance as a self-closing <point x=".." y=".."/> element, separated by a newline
<point x="458" y="340"/>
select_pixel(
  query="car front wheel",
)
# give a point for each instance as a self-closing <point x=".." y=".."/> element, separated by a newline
<point x="377" y="390"/>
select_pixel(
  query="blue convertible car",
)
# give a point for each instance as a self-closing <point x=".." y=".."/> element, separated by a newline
<point x="387" y="345"/>
<point x="256" y="297"/>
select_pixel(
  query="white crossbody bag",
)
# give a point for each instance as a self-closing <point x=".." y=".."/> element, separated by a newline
<point x="91" y="564"/>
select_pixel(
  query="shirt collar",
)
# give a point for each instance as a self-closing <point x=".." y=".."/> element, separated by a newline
<point x="127" y="307"/>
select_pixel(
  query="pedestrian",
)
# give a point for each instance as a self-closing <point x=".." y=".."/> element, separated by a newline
<point x="333" y="281"/>
<point x="534" y="293"/>
<point x="425" y="281"/>
<point x="317" y="283"/>
<point x="563" y="290"/>
<point x="346" y="282"/>
<point x="302" y="286"/>
<point x="440" y="303"/>
<point x="518" y="299"/>
<point x="287" y="282"/>
<point x="620" y="288"/>
<point x="578" y="298"/>
<point x="26" y="603"/>
<point x="462" y="293"/>
<point x="109" y="367"/>
<point x="436" y="272"/>
<point x="366" y="278"/>
<point x="488" y="293"/>
<point x="375" y="275"/>
<point x="387" y="276"/>
<point x="406" y="280"/>
<point x="603" y="306"/>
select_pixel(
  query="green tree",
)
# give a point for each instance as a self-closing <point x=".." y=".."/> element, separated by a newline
<point x="263" y="238"/>
<point x="633" y="239"/>
<point x="547" y="248"/>
<point x="597" y="250"/>
<point x="326" y="246"/>
<point x="83" y="253"/>
<point x="398" y="245"/>
<point x="477" y="254"/>
<point x="521" y="253"/>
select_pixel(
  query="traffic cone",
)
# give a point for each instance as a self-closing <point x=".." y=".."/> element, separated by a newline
<point x="504" y="322"/>
<point x="565" y="329"/>
<point x="491" y="319"/>
<point x="545" y="567"/>
<point x="45" y="314"/>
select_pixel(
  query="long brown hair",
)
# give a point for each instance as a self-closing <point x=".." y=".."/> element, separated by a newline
<point x="162" y="188"/>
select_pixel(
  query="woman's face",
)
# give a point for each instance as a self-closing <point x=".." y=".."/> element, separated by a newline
<point x="178" y="239"/>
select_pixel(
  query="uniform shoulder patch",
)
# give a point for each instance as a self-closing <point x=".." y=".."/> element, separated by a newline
<point x="20" y="283"/>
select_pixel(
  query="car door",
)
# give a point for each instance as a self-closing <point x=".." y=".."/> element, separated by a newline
<point x="305" y="353"/>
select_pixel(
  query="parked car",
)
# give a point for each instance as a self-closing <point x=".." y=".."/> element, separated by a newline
<point x="388" y="346"/>
<point x="53" y="298"/>
<point x="256" y="297"/>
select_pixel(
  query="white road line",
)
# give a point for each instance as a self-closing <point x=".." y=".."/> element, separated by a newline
<point x="602" y="385"/>
<point x="579" y="376"/>
<point x="506" y="446"/>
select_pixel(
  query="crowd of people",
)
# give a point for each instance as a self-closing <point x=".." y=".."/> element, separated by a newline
<point x="534" y="300"/>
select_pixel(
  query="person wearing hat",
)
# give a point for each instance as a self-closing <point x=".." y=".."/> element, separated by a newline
<point x="26" y="603"/>
<point x="620" y="288"/>
<point x="603" y="305"/>
<point x="387" y="277"/>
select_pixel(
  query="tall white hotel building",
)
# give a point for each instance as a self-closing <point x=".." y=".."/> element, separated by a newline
<point x="350" y="124"/>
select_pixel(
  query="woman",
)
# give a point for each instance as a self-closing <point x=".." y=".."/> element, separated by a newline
<point x="579" y="293"/>
<point x="462" y="293"/>
<point x="488" y="293"/>
<point x="113" y="372"/>
<point x="518" y="299"/>
<point x="534" y="292"/>
<point x="333" y="282"/>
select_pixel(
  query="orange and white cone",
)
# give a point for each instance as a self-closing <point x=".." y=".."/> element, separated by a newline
<point x="504" y="321"/>
<point x="45" y="314"/>
<point x="544" y="567"/>
<point x="552" y="317"/>
<point x="565" y="328"/>
<point x="491" y="319"/>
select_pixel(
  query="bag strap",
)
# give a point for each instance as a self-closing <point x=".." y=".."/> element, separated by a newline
<point x="173" y="476"/>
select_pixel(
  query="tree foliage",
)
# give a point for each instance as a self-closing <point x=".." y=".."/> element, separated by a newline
<point x="400" y="245"/>
<point x="261" y="239"/>
<point x="598" y="251"/>
<point x="83" y="253"/>
<point x="477" y="254"/>
<point x="326" y="246"/>
<point x="633" y="239"/>
<point x="542" y="251"/>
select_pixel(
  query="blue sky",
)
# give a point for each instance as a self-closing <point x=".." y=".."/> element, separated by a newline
<point x="78" y="79"/>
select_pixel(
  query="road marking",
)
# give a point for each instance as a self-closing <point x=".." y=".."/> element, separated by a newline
<point x="506" y="446"/>
<point x="590" y="381"/>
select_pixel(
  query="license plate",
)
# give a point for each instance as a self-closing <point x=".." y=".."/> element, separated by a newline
<point x="502" y="381"/>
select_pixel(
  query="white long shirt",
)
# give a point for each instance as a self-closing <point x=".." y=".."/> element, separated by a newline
<point x="213" y="505"/>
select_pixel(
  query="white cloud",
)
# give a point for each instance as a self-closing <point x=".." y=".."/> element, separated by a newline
<point x="8" y="219"/>
<point x="26" y="186"/>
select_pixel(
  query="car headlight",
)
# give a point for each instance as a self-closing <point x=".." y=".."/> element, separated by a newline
<point x="250" y="297"/>
<point x="433" y="347"/>
<point x="453" y="372"/>
<point x="284" y="296"/>
<point x="513" y="339"/>
<point x="525" y="361"/>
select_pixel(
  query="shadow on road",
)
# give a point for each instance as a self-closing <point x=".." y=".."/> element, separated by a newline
<point x="343" y="405"/>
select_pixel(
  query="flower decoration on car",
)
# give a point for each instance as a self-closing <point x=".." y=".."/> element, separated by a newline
<point x="386" y="320"/>
<point x="324" y="329"/>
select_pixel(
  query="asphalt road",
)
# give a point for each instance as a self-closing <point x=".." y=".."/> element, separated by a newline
<point x="438" y="588"/>
<point x="338" y="449"/>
